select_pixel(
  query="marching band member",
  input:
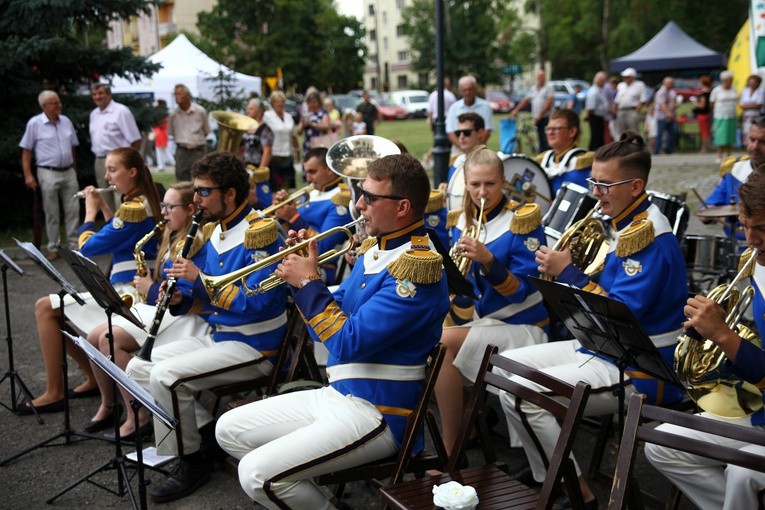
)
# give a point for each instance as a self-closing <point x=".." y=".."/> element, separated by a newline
<point x="565" y="162"/>
<point x="436" y="216"/>
<point x="177" y="211"/>
<point x="379" y="328"/>
<point x="470" y="133"/>
<point x="138" y="214"/>
<point x="644" y="269"/>
<point x="324" y="210"/>
<point x="247" y="330"/>
<point x="706" y="483"/>
<point x="509" y="311"/>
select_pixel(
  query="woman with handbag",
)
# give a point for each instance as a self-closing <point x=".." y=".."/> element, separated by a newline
<point x="315" y="124"/>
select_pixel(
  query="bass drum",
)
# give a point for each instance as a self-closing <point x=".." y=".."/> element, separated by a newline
<point x="526" y="181"/>
<point x="455" y="190"/>
<point x="572" y="203"/>
<point x="673" y="208"/>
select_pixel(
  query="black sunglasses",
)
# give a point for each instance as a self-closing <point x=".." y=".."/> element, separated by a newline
<point x="463" y="132"/>
<point x="370" y="198"/>
<point x="204" y="191"/>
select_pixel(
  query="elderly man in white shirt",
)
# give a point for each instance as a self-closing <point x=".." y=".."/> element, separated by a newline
<point x="630" y="96"/>
<point x="470" y="102"/>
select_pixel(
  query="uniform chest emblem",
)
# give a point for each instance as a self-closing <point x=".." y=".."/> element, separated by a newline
<point x="433" y="220"/>
<point x="405" y="289"/>
<point x="632" y="267"/>
<point x="259" y="255"/>
<point x="531" y="243"/>
<point x="265" y="188"/>
<point x="342" y="210"/>
<point x="118" y="223"/>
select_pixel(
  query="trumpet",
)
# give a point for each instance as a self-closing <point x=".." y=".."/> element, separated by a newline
<point x="297" y="195"/>
<point x="81" y="193"/>
<point x="462" y="262"/>
<point x="215" y="284"/>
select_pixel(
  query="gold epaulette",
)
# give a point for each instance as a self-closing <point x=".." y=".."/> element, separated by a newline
<point x="366" y="244"/>
<point x="418" y="264"/>
<point x="727" y="164"/>
<point x="207" y="230"/>
<point x="260" y="233"/>
<point x="638" y="236"/>
<point x="452" y="217"/>
<point x="343" y="197"/>
<point x="132" y="212"/>
<point x="435" y="202"/>
<point x="539" y="157"/>
<point x="199" y="240"/>
<point x="260" y="175"/>
<point x="526" y="218"/>
<point x="584" y="160"/>
<point x="742" y="260"/>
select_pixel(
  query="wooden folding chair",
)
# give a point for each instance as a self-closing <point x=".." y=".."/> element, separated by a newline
<point x="495" y="488"/>
<point x="403" y="462"/>
<point x="625" y="488"/>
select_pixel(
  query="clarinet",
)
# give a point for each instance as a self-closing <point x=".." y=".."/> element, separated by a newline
<point x="145" y="352"/>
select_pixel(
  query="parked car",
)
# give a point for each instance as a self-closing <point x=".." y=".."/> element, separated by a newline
<point x="562" y="89"/>
<point x="390" y="110"/>
<point x="415" y="102"/>
<point x="345" y="102"/>
<point x="499" y="101"/>
<point x="687" y="88"/>
<point x="517" y="95"/>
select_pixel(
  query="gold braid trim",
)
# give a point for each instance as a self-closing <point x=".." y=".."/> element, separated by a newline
<point x="727" y="164"/>
<point x="260" y="175"/>
<point x="199" y="240"/>
<point x="539" y="157"/>
<point x="132" y="212"/>
<point x="343" y="198"/>
<point x="207" y="230"/>
<point x="452" y="217"/>
<point x="435" y="202"/>
<point x="260" y="234"/>
<point x="366" y="244"/>
<point x="742" y="260"/>
<point x="526" y="218"/>
<point x="464" y="315"/>
<point x="584" y="160"/>
<point x="638" y="236"/>
<point x="417" y="266"/>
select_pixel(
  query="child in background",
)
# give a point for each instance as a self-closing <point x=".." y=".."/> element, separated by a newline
<point x="359" y="127"/>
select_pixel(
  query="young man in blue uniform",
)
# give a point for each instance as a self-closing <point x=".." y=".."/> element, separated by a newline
<point x="709" y="484"/>
<point x="324" y="209"/>
<point x="644" y="269"/>
<point x="565" y="162"/>
<point x="246" y="330"/>
<point x="378" y="327"/>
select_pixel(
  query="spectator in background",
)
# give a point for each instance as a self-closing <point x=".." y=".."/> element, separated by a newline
<point x="630" y="96"/>
<point x="315" y="121"/>
<point x="703" y="112"/>
<point x="751" y="103"/>
<point x="470" y="102"/>
<point x="541" y="98"/>
<point x="449" y="100"/>
<point x="335" y="122"/>
<point x="609" y="91"/>
<point x="370" y="112"/>
<point x="596" y="109"/>
<point x="283" y="126"/>
<point x="258" y="142"/>
<point x="160" y="139"/>
<point x="359" y="126"/>
<point x="723" y="100"/>
<point x="572" y="101"/>
<point x="664" y="104"/>
<point x="189" y="126"/>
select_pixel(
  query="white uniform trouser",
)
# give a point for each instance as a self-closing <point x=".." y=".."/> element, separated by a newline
<point x="59" y="188"/>
<point x="179" y="370"/>
<point x="708" y="483"/>
<point x="537" y="428"/>
<point x="283" y="442"/>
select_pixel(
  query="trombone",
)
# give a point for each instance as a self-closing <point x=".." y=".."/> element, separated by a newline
<point x="296" y="195"/>
<point x="215" y="284"/>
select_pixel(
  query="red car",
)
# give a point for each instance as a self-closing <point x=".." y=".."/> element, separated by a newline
<point x="499" y="101"/>
<point x="687" y="88"/>
<point x="391" y="111"/>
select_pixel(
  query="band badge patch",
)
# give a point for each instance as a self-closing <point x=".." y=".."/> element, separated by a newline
<point x="632" y="267"/>
<point x="405" y="289"/>
<point x="118" y="223"/>
<point x="342" y="210"/>
<point x="433" y="220"/>
<point x="265" y="188"/>
<point x="532" y="243"/>
<point x="259" y="255"/>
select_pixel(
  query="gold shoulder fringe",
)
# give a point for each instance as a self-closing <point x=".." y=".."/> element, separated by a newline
<point x="638" y="236"/>
<point x="132" y="212"/>
<point x="526" y="218"/>
<point x="342" y="198"/>
<point x="260" y="175"/>
<point x="742" y="260"/>
<point x="584" y="160"/>
<point x="260" y="234"/>
<point x="727" y="164"/>
<point x="366" y="244"/>
<point x="417" y="266"/>
<point x="435" y="202"/>
<point x="199" y="241"/>
<point x="452" y="217"/>
<point x="539" y="157"/>
<point x="207" y="230"/>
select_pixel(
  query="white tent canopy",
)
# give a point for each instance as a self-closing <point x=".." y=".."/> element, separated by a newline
<point x="182" y="62"/>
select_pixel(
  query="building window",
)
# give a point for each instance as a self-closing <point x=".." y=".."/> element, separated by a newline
<point x="402" y="81"/>
<point x="385" y="43"/>
<point x="423" y="80"/>
<point x="373" y="83"/>
<point x="371" y="9"/>
<point x="373" y="34"/>
<point x="399" y="4"/>
<point x="400" y="31"/>
<point x="403" y="56"/>
<point x="384" y="18"/>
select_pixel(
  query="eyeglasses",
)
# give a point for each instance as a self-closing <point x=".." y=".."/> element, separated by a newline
<point x="603" y="188"/>
<point x="463" y="132"/>
<point x="204" y="191"/>
<point x="168" y="207"/>
<point x="370" y="198"/>
<point x="554" y="129"/>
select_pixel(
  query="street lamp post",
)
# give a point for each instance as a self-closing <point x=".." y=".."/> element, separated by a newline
<point x="441" y="145"/>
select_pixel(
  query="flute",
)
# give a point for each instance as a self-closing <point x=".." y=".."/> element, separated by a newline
<point x="81" y="194"/>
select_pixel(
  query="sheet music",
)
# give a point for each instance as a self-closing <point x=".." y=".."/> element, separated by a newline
<point x="10" y="263"/>
<point x="48" y="268"/>
<point x="121" y="378"/>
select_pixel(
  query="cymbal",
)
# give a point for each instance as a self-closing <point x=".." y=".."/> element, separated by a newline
<point x="718" y="211"/>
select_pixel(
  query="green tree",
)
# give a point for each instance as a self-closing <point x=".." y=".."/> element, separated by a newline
<point x="57" y="45"/>
<point x="308" y="39"/>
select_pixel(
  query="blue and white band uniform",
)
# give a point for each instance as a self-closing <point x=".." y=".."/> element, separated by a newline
<point x="572" y="166"/>
<point x="726" y="191"/>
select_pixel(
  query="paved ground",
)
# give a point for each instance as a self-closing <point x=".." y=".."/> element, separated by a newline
<point x="28" y="481"/>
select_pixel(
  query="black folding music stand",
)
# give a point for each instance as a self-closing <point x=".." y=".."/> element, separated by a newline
<point x="13" y="376"/>
<point x="95" y="282"/>
<point x="607" y="327"/>
<point x="66" y="288"/>
<point x="140" y="398"/>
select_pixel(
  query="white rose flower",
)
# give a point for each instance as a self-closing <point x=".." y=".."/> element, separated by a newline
<point x="455" y="496"/>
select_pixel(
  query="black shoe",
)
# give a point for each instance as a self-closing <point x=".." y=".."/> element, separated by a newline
<point x="526" y="477"/>
<point x="92" y="392"/>
<point x="186" y="478"/>
<point x="53" y="407"/>
<point x="103" y="424"/>
<point x="146" y="432"/>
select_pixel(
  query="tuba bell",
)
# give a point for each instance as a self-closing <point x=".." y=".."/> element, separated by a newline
<point x="231" y="128"/>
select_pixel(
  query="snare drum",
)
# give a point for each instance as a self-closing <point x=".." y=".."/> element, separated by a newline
<point x="572" y="203"/>
<point x="706" y="253"/>
<point x="526" y="180"/>
<point x="673" y="208"/>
